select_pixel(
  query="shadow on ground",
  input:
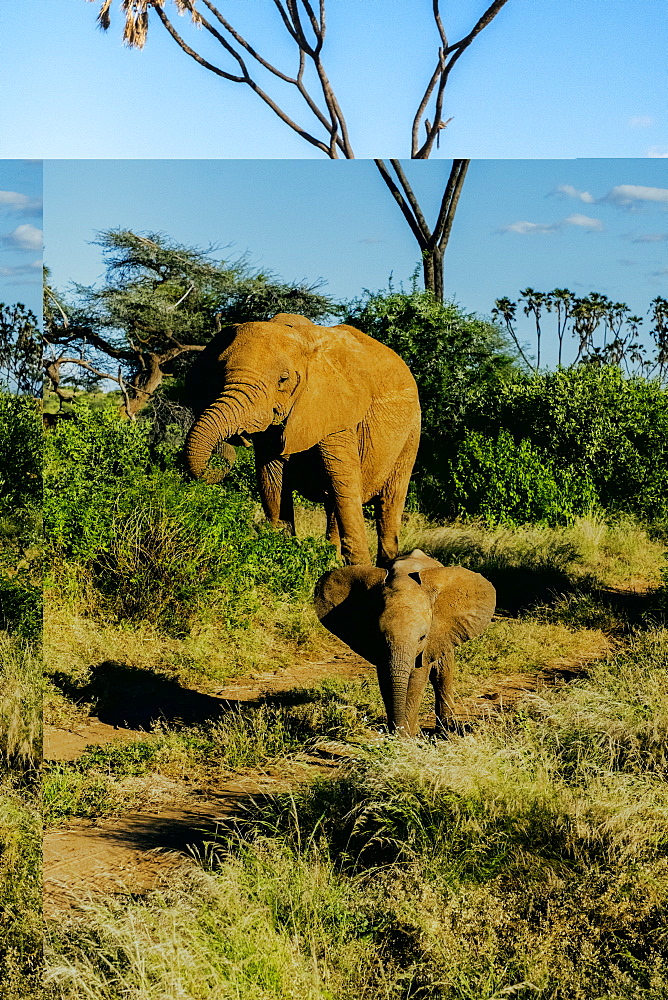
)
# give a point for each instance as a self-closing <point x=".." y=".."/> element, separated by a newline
<point x="521" y="589"/>
<point x="135" y="698"/>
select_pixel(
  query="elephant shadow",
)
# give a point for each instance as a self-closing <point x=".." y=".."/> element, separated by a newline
<point x="135" y="698"/>
<point x="522" y="589"/>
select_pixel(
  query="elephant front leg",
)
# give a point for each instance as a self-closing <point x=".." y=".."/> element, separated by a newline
<point x="391" y="501"/>
<point x="340" y="456"/>
<point x="276" y="493"/>
<point x="442" y="677"/>
<point x="417" y="682"/>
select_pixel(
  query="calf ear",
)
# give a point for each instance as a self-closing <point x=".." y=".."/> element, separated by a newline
<point x="347" y="602"/>
<point x="464" y="603"/>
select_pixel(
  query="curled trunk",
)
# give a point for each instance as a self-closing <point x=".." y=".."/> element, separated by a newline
<point x="221" y="421"/>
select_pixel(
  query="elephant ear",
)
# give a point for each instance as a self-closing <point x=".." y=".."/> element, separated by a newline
<point x="202" y="382"/>
<point x="348" y="603"/>
<point x="464" y="603"/>
<point x="337" y="386"/>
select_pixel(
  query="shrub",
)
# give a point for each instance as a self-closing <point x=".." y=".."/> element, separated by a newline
<point x="20" y="452"/>
<point x="501" y="481"/>
<point x="157" y="545"/>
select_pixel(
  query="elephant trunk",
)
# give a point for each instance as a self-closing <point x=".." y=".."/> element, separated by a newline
<point x="232" y="413"/>
<point x="402" y="662"/>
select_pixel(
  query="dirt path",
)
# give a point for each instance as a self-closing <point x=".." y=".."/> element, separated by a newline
<point x="130" y="853"/>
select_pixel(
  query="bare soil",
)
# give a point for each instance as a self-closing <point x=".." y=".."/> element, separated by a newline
<point x="130" y="854"/>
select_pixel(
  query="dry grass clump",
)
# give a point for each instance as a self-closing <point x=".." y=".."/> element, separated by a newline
<point x="21" y="688"/>
<point x="510" y="646"/>
<point x="616" y="718"/>
<point x="204" y="937"/>
<point x="615" y="554"/>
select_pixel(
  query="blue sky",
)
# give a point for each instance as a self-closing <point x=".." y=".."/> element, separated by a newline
<point x="548" y="78"/>
<point x="589" y="225"/>
<point x="21" y="233"/>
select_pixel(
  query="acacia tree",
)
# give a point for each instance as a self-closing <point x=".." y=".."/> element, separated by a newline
<point x="305" y="24"/>
<point x="432" y="243"/>
<point x="160" y="304"/>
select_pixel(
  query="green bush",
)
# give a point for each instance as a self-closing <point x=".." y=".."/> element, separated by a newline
<point x="20" y="452"/>
<point x="500" y="481"/>
<point x="596" y="422"/>
<point x="156" y="545"/>
<point x="509" y="445"/>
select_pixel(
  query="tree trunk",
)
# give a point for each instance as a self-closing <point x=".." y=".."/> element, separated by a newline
<point x="432" y="269"/>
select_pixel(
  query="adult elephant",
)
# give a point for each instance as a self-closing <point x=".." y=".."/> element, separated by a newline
<point x="332" y="414"/>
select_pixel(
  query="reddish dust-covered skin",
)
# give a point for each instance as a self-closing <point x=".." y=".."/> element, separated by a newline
<point x="406" y="620"/>
<point x="332" y="414"/>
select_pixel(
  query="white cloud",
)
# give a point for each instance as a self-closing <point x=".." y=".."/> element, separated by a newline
<point x="649" y="238"/>
<point x="641" y="121"/>
<point x="527" y="228"/>
<point x="21" y="269"/>
<point x="539" y="228"/>
<point x="634" y="194"/>
<point x="586" y="222"/>
<point x="568" y="191"/>
<point x="657" y="152"/>
<point x="14" y="201"/>
<point x="25" y="237"/>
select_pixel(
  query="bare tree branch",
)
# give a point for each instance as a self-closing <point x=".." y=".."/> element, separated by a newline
<point x="432" y="244"/>
<point x="306" y="27"/>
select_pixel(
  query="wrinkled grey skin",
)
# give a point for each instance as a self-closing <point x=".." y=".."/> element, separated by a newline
<point x="406" y="620"/>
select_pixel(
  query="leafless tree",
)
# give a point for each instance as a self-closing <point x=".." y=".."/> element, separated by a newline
<point x="432" y="243"/>
<point x="324" y="124"/>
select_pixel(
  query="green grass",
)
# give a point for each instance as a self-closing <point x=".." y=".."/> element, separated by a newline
<point x="20" y="818"/>
<point x="528" y="857"/>
<point x="589" y="552"/>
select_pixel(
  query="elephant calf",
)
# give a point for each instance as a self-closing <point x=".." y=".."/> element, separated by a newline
<point x="406" y="620"/>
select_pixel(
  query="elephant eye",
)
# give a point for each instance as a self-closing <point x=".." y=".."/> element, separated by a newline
<point x="422" y="637"/>
<point x="283" y="378"/>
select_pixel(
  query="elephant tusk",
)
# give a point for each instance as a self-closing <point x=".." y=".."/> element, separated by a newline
<point x="246" y="442"/>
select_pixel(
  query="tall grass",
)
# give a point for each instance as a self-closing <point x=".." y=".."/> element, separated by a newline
<point x="526" y="858"/>
<point x="589" y="551"/>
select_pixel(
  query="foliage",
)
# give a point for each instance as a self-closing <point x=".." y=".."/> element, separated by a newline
<point x="594" y="423"/>
<point x="501" y="481"/>
<point x="158" y="545"/>
<point x="20" y="452"/>
<point x="20" y="516"/>
<point x="513" y="446"/>
<point x="161" y="302"/>
<point x="20" y="350"/>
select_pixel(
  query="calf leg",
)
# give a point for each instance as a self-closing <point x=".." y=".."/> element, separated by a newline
<point x="442" y="679"/>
